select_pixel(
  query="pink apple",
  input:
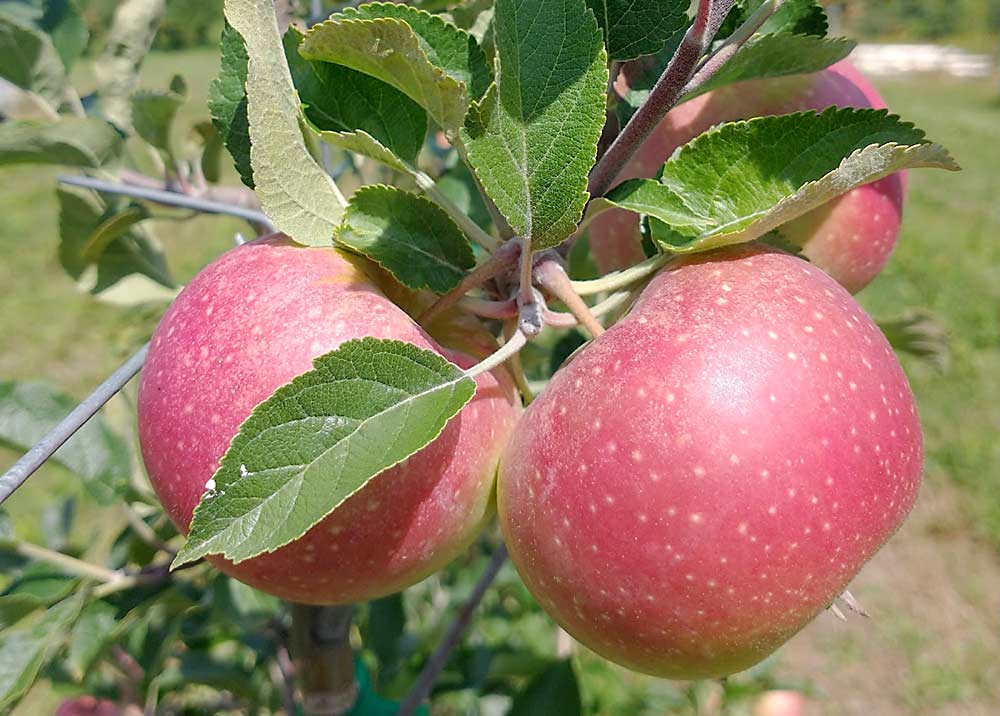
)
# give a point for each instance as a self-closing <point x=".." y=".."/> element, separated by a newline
<point x="702" y="480"/>
<point x="249" y="323"/>
<point x="850" y="238"/>
<point x="780" y="703"/>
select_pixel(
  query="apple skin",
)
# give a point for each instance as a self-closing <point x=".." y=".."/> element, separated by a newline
<point x="851" y="237"/>
<point x="249" y="323"/>
<point x="703" y="479"/>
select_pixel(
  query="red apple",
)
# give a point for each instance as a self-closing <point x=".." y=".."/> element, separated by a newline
<point x="702" y="480"/>
<point x="850" y="238"/>
<point x="249" y="323"/>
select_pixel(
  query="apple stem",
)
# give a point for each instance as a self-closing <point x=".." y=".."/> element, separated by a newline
<point x="732" y="45"/>
<point x="622" y="279"/>
<point x="516" y="367"/>
<point x="324" y="659"/>
<point x="470" y="227"/>
<point x="664" y="95"/>
<point x="505" y="257"/>
<point x="615" y="301"/>
<point x="509" y="349"/>
<point x="439" y="659"/>
<point x="489" y="309"/>
<point x="526" y="296"/>
<point x="552" y="277"/>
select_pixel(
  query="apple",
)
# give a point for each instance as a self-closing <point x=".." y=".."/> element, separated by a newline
<point x="249" y="323"/>
<point x="89" y="706"/>
<point x="851" y="238"/>
<point x="697" y="484"/>
<point x="780" y="703"/>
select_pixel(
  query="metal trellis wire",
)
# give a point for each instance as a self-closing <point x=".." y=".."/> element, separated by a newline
<point x="168" y="198"/>
<point x="46" y="447"/>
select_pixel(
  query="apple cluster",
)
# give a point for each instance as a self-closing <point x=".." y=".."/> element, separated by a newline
<point x="690" y="490"/>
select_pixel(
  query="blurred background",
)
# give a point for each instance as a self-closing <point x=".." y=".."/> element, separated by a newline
<point x="932" y="644"/>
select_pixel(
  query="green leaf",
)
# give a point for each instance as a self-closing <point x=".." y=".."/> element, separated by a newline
<point x="554" y="691"/>
<point x="57" y="522"/>
<point x="59" y="19"/>
<point x="227" y="102"/>
<point x="409" y="236"/>
<point x="25" y="650"/>
<point x="431" y="61"/>
<point x="7" y="534"/>
<point x="302" y="452"/>
<point x="29" y="410"/>
<point x="206" y="138"/>
<point x="532" y="140"/>
<point x="90" y="635"/>
<point x="386" y="626"/>
<point x="67" y="28"/>
<point x="341" y="104"/>
<point x="108" y="252"/>
<point x="920" y="334"/>
<point x="797" y="17"/>
<point x="29" y="60"/>
<point x="778" y="56"/>
<point x="475" y="17"/>
<point x="448" y="47"/>
<point x="744" y="179"/>
<point x="153" y="116"/>
<point x="638" y="27"/>
<point x="641" y="75"/>
<point x="75" y="142"/>
<point x="14" y="607"/>
<point x="43" y="583"/>
<point x="458" y="185"/>
<point x="294" y="191"/>
<point x="251" y="605"/>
